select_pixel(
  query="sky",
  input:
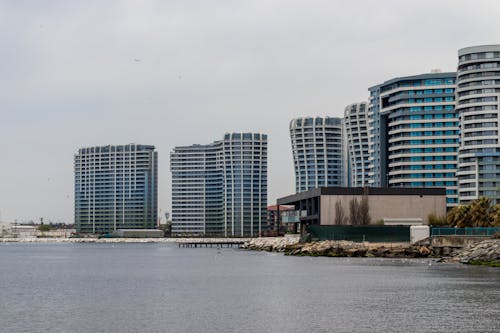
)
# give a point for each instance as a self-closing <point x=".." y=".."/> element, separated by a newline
<point x="170" y="73"/>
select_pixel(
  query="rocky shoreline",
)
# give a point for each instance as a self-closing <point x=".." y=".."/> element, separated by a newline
<point x="338" y="248"/>
<point x="486" y="252"/>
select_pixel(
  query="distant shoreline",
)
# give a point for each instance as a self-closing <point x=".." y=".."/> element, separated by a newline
<point x="120" y="240"/>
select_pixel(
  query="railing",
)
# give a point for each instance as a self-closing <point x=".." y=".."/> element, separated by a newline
<point x="469" y="232"/>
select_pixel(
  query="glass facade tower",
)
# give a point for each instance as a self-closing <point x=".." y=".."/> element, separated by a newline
<point x="116" y="187"/>
<point x="220" y="189"/>
<point x="414" y="133"/>
<point x="356" y="144"/>
<point x="196" y="190"/>
<point x="317" y="150"/>
<point x="478" y="103"/>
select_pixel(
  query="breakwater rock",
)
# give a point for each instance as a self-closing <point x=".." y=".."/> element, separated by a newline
<point x="352" y="249"/>
<point x="338" y="248"/>
<point x="484" y="253"/>
<point x="274" y="244"/>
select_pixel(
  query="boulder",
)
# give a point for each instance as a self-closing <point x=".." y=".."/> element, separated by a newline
<point x="424" y="251"/>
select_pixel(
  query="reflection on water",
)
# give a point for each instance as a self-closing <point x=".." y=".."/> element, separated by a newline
<point x="161" y="288"/>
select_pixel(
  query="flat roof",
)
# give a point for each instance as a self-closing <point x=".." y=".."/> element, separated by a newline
<point x="479" y="48"/>
<point x="425" y="76"/>
<point x="360" y="191"/>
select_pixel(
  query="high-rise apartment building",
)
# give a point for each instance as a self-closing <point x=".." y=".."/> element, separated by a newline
<point x="317" y="150"/>
<point x="356" y="144"/>
<point x="196" y="190"/>
<point x="478" y="104"/>
<point x="220" y="189"/>
<point x="413" y="130"/>
<point x="115" y="188"/>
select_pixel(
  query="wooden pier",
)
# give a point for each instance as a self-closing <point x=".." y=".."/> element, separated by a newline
<point x="211" y="243"/>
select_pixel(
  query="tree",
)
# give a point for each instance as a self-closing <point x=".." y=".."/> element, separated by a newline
<point x="340" y="217"/>
<point x="480" y="212"/>
<point x="354" y="212"/>
<point x="459" y="216"/>
<point x="364" y="211"/>
<point x="495" y="215"/>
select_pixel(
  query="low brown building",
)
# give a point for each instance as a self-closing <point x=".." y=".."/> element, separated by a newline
<point x="342" y="205"/>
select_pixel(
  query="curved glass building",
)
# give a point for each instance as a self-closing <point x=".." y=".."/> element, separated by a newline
<point x="356" y="144"/>
<point x="478" y="104"/>
<point x="414" y="133"/>
<point x="220" y="189"/>
<point x="317" y="152"/>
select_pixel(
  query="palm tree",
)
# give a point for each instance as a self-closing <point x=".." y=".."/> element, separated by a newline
<point x="480" y="212"/>
<point x="459" y="217"/>
<point x="495" y="215"/>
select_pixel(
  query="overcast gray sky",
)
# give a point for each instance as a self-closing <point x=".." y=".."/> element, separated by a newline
<point x="69" y="78"/>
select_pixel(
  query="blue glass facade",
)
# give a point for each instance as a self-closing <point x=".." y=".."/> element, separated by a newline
<point x="415" y="133"/>
<point x="116" y="187"/>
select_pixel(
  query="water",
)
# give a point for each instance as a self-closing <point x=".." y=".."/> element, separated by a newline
<point x="161" y="288"/>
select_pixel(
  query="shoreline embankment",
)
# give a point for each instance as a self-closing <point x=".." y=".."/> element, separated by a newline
<point x="486" y="252"/>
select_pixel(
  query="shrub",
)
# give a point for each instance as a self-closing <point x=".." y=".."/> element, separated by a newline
<point x="437" y="220"/>
<point x="44" y="227"/>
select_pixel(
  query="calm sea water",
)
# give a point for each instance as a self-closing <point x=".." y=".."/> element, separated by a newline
<point x="161" y="288"/>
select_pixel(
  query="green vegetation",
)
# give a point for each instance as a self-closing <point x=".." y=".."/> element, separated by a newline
<point x="437" y="220"/>
<point x="495" y="263"/>
<point x="479" y="213"/>
<point x="44" y="227"/>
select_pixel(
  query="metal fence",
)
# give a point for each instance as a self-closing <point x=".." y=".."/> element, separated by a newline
<point x="486" y="231"/>
<point x="368" y="233"/>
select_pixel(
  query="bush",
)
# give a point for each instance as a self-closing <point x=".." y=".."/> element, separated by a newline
<point x="44" y="227"/>
<point x="437" y="220"/>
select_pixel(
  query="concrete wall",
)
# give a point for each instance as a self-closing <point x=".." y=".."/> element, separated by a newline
<point x="456" y="241"/>
<point x="386" y="206"/>
<point x="138" y="233"/>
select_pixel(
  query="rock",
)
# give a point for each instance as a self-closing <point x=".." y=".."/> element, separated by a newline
<point x="424" y="251"/>
<point x="352" y="252"/>
<point x="487" y="251"/>
<point x="382" y="251"/>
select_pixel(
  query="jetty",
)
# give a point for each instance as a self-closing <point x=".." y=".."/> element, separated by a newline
<point x="212" y="242"/>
